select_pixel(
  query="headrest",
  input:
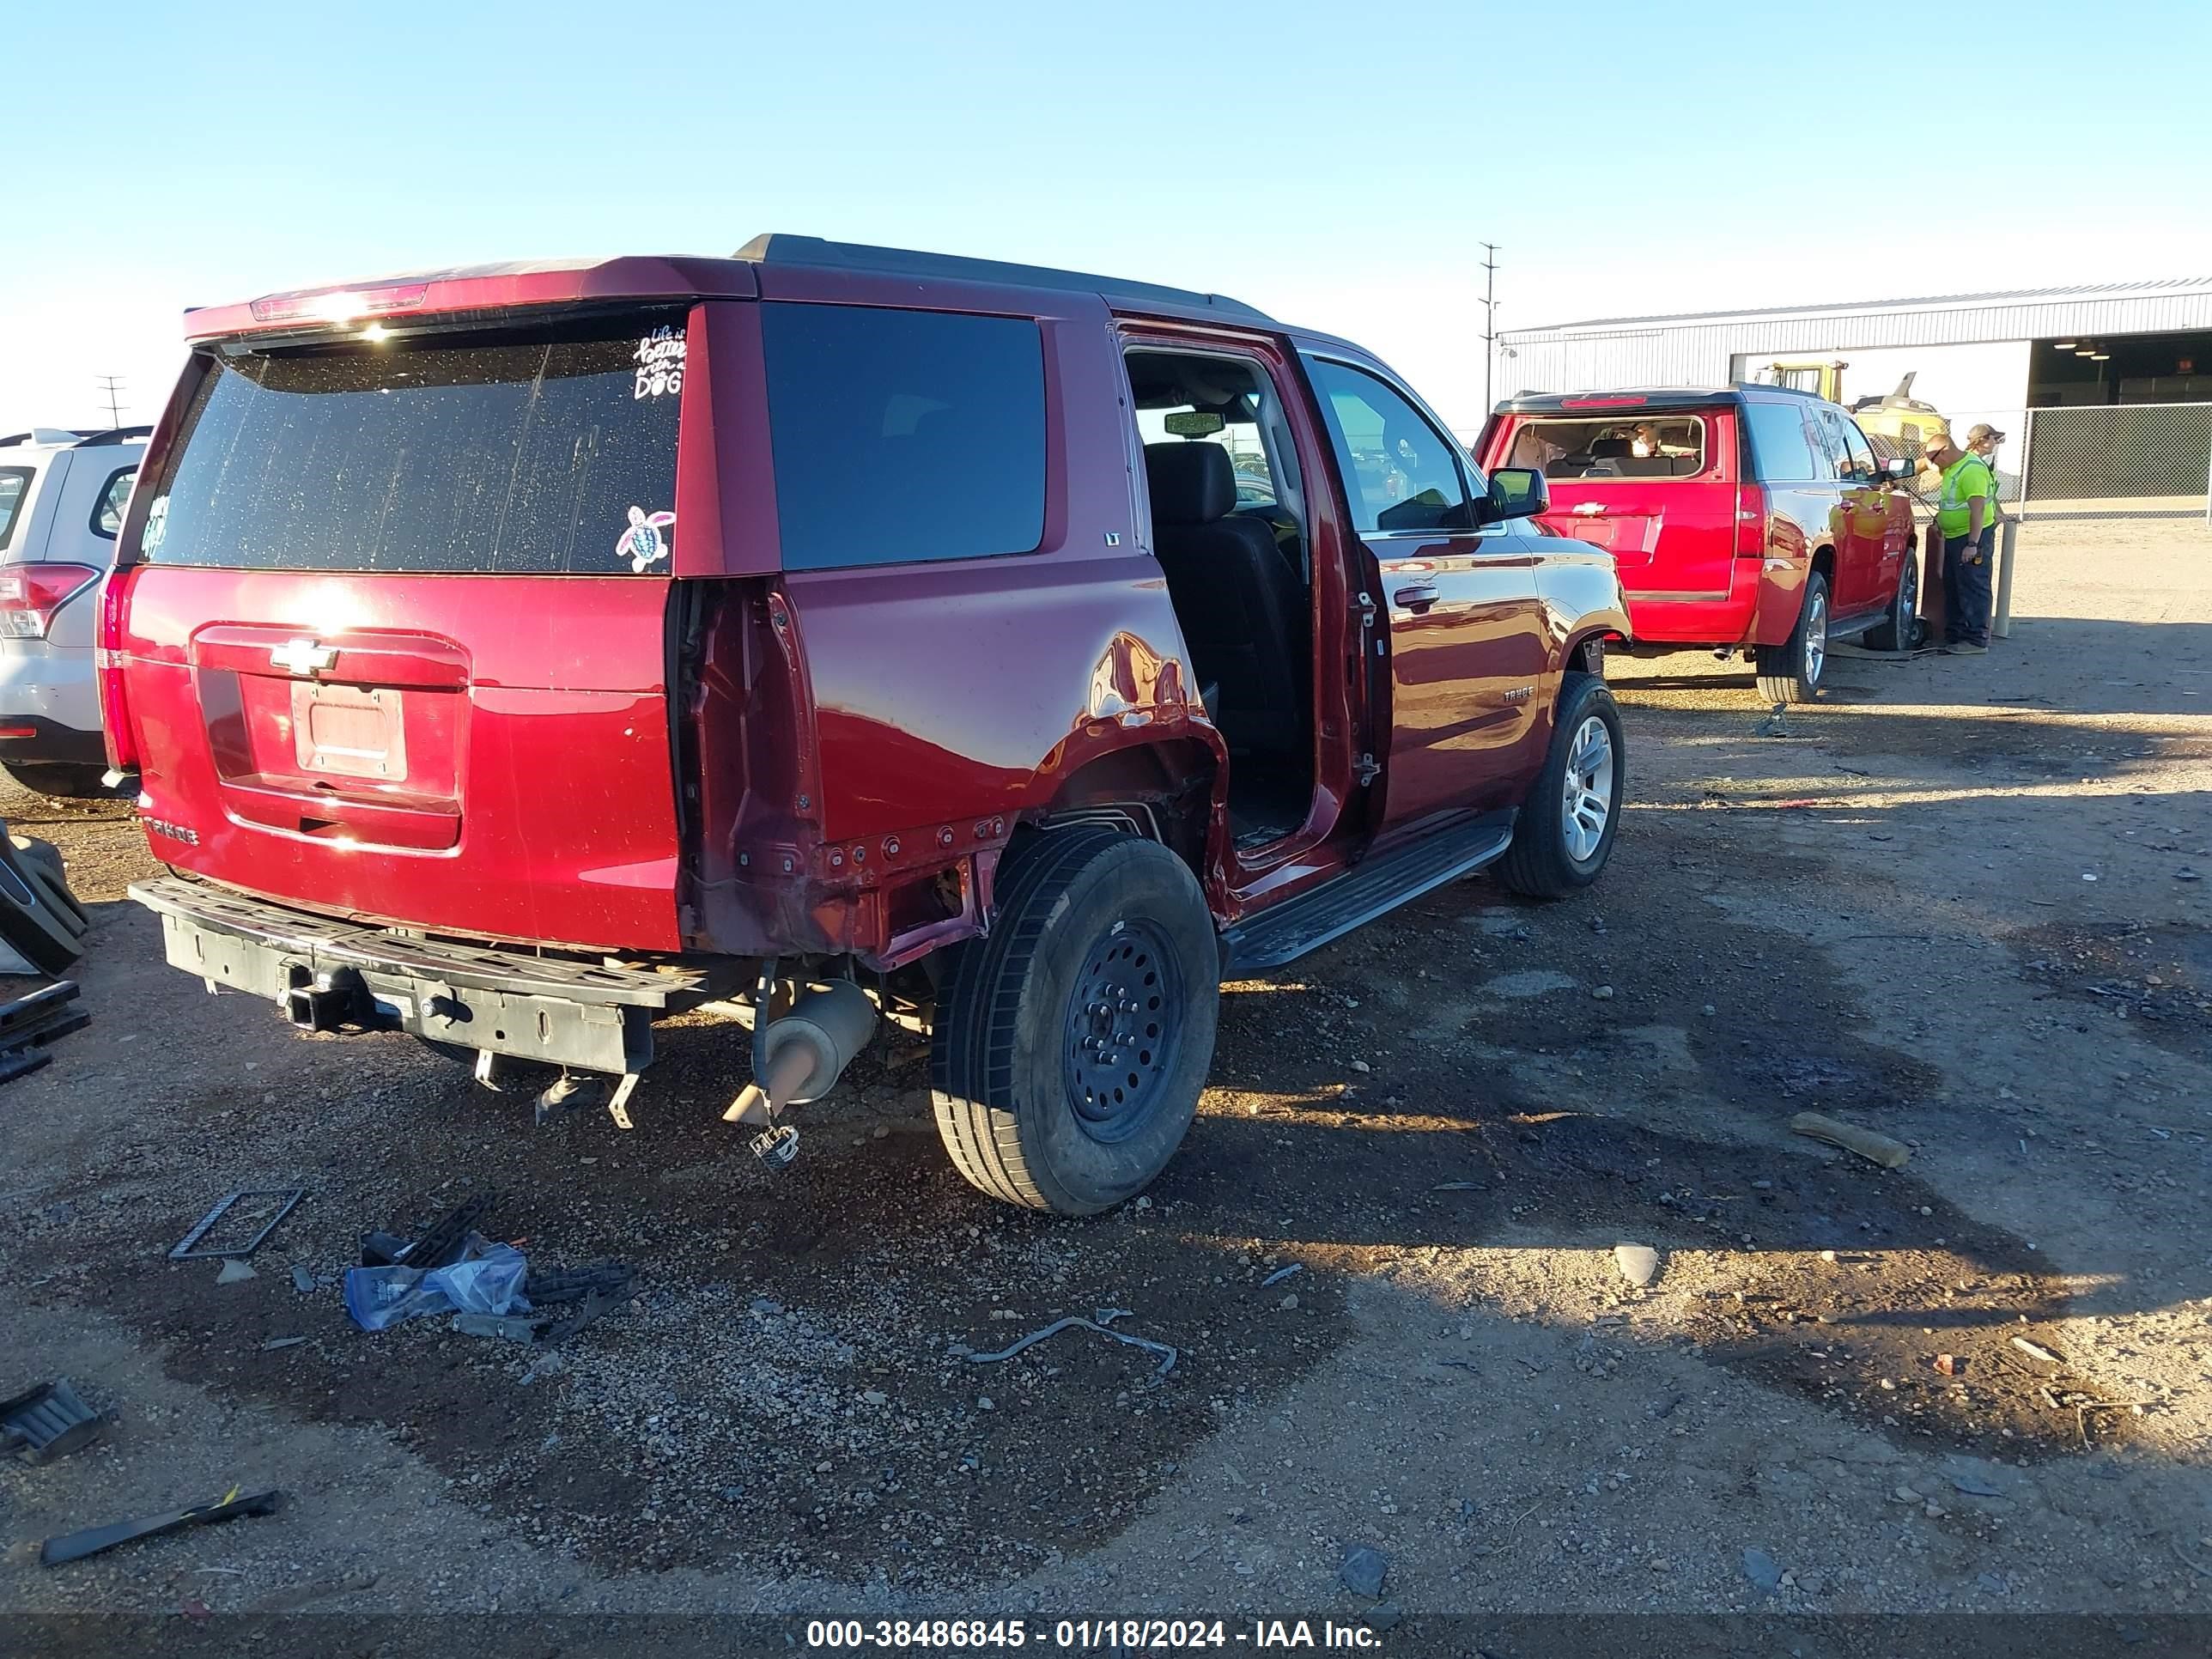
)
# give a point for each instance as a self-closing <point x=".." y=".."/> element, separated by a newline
<point x="1609" y="449"/>
<point x="1190" y="482"/>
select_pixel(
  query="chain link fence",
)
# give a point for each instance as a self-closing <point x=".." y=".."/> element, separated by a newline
<point x="2107" y="461"/>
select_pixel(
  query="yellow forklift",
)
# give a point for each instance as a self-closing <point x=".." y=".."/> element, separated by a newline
<point x="1903" y="419"/>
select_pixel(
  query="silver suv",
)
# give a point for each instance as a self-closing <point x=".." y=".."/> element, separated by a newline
<point x="62" y="497"/>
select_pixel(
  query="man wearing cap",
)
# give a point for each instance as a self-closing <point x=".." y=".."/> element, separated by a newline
<point x="1966" y="516"/>
<point x="1985" y="441"/>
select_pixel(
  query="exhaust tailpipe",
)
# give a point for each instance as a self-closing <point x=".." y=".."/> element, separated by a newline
<point x="807" y="1051"/>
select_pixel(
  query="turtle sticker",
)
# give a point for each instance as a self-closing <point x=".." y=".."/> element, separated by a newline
<point x="645" y="543"/>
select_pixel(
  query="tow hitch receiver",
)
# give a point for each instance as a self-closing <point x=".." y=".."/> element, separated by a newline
<point x="325" y="999"/>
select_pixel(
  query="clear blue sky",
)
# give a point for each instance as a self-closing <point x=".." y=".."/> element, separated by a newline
<point x="1337" y="164"/>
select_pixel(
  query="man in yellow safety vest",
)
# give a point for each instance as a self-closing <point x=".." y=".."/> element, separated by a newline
<point x="1966" y="517"/>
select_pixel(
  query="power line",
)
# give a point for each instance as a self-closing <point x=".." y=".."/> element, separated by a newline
<point x="111" y="388"/>
<point x="1489" y="321"/>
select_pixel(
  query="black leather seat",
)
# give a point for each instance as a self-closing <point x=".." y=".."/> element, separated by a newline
<point x="1242" y="606"/>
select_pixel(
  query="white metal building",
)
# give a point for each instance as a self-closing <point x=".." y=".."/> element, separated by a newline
<point x="2017" y="360"/>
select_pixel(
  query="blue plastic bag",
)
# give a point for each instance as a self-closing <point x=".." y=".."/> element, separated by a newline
<point x="487" y="1279"/>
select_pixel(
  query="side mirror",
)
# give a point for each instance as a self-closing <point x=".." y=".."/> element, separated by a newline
<point x="1898" y="468"/>
<point x="1518" y="492"/>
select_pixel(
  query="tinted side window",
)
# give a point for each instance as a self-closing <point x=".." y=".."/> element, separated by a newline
<point x="1779" y="445"/>
<point x="1864" y="469"/>
<point x="1831" y="455"/>
<point x="1401" y="472"/>
<point x="114" y="497"/>
<point x="15" y="485"/>
<point x="904" y="435"/>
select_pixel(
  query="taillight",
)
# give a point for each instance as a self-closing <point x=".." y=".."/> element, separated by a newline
<point x="30" y="594"/>
<point x="107" y="659"/>
<point x="1750" y="522"/>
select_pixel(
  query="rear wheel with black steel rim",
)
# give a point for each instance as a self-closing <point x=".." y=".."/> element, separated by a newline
<point x="1790" y="671"/>
<point x="1073" y="1040"/>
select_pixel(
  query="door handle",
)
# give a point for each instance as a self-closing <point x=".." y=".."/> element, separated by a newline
<point x="1418" y="598"/>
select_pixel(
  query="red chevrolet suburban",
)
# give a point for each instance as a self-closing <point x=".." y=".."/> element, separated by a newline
<point x="514" y="656"/>
<point x="1754" y="518"/>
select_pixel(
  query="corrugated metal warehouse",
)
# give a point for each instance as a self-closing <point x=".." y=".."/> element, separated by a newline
<point x="2054" y="367"/>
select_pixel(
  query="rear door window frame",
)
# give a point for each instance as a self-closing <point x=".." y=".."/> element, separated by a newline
<point x="122" y="508"/>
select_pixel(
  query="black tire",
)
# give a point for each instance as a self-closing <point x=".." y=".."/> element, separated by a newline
<point x="1900" y="629"/>
<point x="1791" y="671"/>
<point x="62" y="780"/>
<point x="1541" y="863"/>
<point x="1025" y="1104"/>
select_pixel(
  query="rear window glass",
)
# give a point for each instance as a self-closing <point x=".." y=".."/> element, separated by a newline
<point x="15" y="485"/>
<point x="1779" y="448"/>
<point x="545" y="452"/>
<point x="1633" y="446"/>
<point x="904" y="435"/>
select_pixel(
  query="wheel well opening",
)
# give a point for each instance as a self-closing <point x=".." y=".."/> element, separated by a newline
<point x="1162" y="791"/>
<point x="1823" y="564"/>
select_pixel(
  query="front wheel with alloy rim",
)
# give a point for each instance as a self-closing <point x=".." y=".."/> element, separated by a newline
<point x="1564" y="832"/>
<point x="1072" y="1040"/>
<point x="1790" y="671"/>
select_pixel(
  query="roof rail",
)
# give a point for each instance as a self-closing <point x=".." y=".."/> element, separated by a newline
<point x="783" y="249"/>
<point x="116" y="434"/>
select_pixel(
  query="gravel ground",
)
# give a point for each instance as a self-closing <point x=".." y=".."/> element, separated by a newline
<point x="1385" y="1257"/>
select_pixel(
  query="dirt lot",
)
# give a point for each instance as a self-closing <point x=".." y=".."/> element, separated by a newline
<point x="1959" y="902"/>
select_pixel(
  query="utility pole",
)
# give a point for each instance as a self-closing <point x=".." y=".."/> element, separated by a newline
<point x="1489" y="320"/>
<point x="111" y="388"/>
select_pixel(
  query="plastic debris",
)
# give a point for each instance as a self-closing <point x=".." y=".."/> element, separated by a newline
<point x="558" y="1304"/>
<point x="1106" y="1315"/>
<point x="47" y="1422"/>
<point x="1363" y="1570"/>
<point x="76" y="1545"/>
<point x="1763" y="1570"/>
<point x="1637" y="1262"/>
<point x="487" y="1279"/>
<point x="1890" y="1153"/>
<point x="1282" y="1273"/>
<point x="194" y="1245"/>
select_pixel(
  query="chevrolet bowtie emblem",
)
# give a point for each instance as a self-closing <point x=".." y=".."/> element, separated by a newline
<point x="305" y="658"/>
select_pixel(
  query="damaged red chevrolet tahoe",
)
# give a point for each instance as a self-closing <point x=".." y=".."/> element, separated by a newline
<point x="514" y="656"/>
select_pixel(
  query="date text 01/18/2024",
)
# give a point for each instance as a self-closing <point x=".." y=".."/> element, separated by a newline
<point x="945" y="1634"/>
